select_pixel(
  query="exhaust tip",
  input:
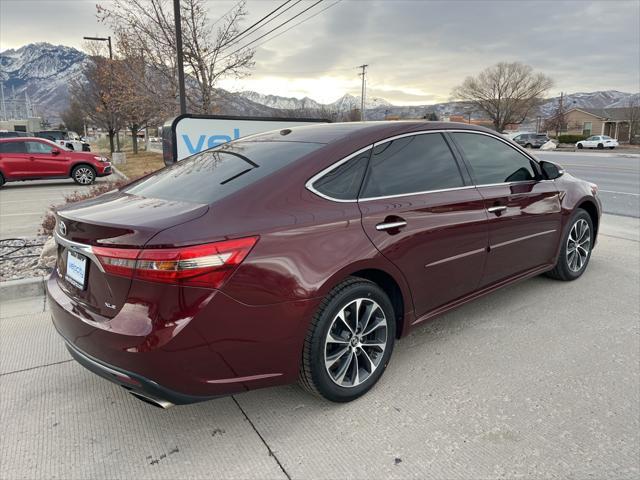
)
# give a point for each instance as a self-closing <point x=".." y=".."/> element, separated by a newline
<point x="156" y="402"/>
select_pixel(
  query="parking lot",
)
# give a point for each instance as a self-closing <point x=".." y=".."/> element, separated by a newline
<point x="22" y="204"/>
<point x="538" y="380"/>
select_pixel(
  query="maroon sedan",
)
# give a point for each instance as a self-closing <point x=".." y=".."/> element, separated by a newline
<point x="31" y="158"/>
<point x="303" y="254"/>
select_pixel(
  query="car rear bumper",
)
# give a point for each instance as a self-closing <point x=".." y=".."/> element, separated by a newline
<point x="184" y="345"/>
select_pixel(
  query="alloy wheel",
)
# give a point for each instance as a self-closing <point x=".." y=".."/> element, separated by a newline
<point x="84" y="175"/>
<point x="356" y="342"/>
<point x="578" y="245"/>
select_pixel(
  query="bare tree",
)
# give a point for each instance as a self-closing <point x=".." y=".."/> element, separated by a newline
<point x="149" y="25"/>
<point x="634" y="118"/>
<point x="96" y="95"/>
<point x="506" y="92"/>
<point x="558" y="121"/>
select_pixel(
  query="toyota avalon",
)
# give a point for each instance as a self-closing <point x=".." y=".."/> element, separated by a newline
<point x="303" y="254"/>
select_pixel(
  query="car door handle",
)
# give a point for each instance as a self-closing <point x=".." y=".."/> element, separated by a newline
<point x="391" y="225"/>
<point x="497" y="209"/>
<point x="32" y="158"/>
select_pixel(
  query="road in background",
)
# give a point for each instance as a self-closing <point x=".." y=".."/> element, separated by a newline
<point x="616" y="174"/>
<point x="22" y="204"/>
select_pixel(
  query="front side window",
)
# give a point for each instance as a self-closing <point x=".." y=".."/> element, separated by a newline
<point x="414" y="164"/>
<point x="12" y="147"/>
<point x="493" y="161"/>
<point x="38" y="147"/>
<point x="343" y="183"/>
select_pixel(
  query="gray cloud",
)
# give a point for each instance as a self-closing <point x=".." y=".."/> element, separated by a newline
<point x="417" y="50"/>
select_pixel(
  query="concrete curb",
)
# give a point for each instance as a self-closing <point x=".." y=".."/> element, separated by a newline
<point x="23" y="288"/>
<point x="118" y="173"/>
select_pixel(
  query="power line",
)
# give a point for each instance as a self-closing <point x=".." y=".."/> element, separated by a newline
<point x="227" y="12"/>
<point x="237" y="37"/>
<point x="300" y="22"/>
<point x="272" y="30"/>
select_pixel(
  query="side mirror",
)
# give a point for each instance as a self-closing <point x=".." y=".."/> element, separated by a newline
<point x="55" y="151"/>
<point x="550" y="170"/>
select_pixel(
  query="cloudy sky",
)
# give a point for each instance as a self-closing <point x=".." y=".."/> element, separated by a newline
<point x="417" y="50"/>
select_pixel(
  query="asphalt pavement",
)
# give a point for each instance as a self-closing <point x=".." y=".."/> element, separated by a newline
<point x="538" y="380"/>
<point x="616" y="174"/>
<point x="23" y="204"/>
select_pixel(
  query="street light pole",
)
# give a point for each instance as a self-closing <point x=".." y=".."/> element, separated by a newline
<point x="178" y="23"/>
<point x="108" y="40"/>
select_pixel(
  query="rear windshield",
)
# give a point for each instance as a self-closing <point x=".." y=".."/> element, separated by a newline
<point x="216" y="173"/>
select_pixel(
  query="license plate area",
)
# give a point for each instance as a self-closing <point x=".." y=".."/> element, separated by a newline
<point x="76" y="272"/>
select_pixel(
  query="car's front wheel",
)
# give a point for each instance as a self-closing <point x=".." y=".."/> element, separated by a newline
<point x="575" y="250"/>
<point x="1" y="180"/>
<point x="83" y="174"/>
<point x="349" y="341"/>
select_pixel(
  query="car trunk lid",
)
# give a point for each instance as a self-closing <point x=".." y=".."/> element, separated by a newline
<point x="114" y="220"/>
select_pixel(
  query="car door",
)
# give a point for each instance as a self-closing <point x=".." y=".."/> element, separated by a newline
<point x="591" y="142"/>
<point x="524" y="209"/>
<point x="14" y="159"/>
<point x="44" y="162"/>
<point x="421" y="214"/>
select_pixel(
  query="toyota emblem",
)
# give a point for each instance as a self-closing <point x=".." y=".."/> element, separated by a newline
<point x="63" y="228"/>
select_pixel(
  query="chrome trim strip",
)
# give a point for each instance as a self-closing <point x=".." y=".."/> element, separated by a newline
<point x="81" y="248"/>
<point x="322" y="173"/>
<point x="399" y="195"/>
<point x="455" y="257"/>
<point x="498" y="208"/>
<point x="309" y="184"/>
<point x="526" y="237"/>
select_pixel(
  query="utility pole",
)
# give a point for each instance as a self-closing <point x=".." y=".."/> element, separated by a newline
<point x="362" y="103"/>
<point x="176" y="16"/>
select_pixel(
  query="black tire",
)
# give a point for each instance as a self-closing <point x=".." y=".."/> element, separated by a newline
<point x="1" y="180"/>
<point x="611" y="148"/>
<point x="313" y="375"/>
<point x="580" y="146"/>
<point x="600" y="146"/>
<point x="83" y="174"/>
<point x="563" y="270"/>
<point x="528" y="145"/>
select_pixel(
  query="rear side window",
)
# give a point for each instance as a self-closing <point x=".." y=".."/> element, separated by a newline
<point x="343" y="183"/>
<point x="414" y="164"/>
<point x="12" y="147"/>
<point x="38" y="147"/>
<point x="493" y="161"/>
<point x="213" y="174"/>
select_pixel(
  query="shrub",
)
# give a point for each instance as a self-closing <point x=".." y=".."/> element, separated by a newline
<point x="570" y="138"/>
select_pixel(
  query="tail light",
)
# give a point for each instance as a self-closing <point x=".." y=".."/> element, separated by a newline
<point x="208" y="265"/>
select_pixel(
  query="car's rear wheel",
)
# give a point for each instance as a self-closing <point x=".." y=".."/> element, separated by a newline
<point x="1" y="180"/>
<point x="580" y="146"/>
<point x="600" y="146"/>
<point x="575" y="250"/>
<point x="612" y="148"/>
<point x="349" y="341"/>
<point x="83" y="174"/>
<point x="528" y="145"/>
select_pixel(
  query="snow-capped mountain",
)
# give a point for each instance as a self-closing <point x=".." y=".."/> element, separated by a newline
<point x="282" y="103"/>
<point x="602" y="99"/>
<point x="42" y="71"/>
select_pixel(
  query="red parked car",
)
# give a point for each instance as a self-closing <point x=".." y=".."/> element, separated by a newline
<point x="31" y="158"/>
<point x="303" y="254"/>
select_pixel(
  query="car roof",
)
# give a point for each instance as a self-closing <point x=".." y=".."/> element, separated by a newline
<point x="333" y="132"/>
